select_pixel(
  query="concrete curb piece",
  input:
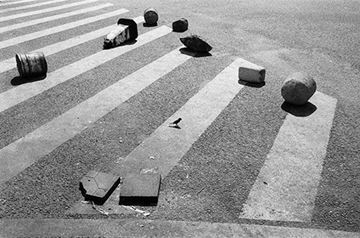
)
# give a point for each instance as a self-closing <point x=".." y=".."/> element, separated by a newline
<point x="140" y="189"/>
<point x="251" y="73"/>
<point x="153" y="228"/>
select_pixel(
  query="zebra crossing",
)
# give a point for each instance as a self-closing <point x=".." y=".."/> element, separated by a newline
<point x="292" y="189"/>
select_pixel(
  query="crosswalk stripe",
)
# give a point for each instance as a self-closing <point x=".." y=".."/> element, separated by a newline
<point x="23" y="92"/>
<point x="286" y="186"/>
<point x="53" y="17"/>
<point x="10" y="63"/>
<point x="25" y="151"/>
<point x="169" y="145"/>
<point x="57" y="29"/>
<point x="31" y="5"/>
<point x="51" y="9"/>
<point x="15" y="2"/>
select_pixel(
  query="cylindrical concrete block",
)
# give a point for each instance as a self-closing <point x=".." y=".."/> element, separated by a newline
<point x="151" y="16"/>
<point x="298" y="88"/>
<point x="31" y="64"/>
<point x="180" y="25"/>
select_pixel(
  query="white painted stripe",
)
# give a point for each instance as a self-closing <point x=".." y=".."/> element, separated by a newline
<point x="25" y="151"/>
<point x="25" y="91"/>
<point x="31" y="5"/>
<point x="168" y="145"/>
<point x="292" y="169"/>
<point x="150" y="228"/>
<point x="25" y="14"/>
<point x="57" y="29"/>
<point x="10" y="63"/>
<point x="52" y="18"/>
<point x="15" y="2"/>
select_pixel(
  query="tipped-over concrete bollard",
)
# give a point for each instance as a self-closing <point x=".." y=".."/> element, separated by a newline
<point x="151" y="16"/>
<point x="31" y="64"/>
<point x="180" y="25"/>
<point x="195" y="43"/>
<point x="298" y="88"/>
<point x="126" y="30"/>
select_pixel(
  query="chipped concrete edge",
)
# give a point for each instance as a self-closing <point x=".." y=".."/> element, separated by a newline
<point x="152" y="228"/>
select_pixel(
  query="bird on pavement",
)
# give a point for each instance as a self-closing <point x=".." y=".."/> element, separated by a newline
<point x="175" y="123"/>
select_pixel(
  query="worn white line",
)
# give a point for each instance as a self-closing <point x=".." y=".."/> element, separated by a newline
<point x="57" y="29"/>
<point x="26" y="14"/>
<point x="286" y="186"/>
<point x="31" y="5"/>
<point x="25" y="151"/>
<point x="151" y="228"/>
<point x="10" y="63"/>
<point x="15" y="2"/>
<point x="52" y="18"/>
<point x="25" y="91"/>
<point x="168" y="145"/>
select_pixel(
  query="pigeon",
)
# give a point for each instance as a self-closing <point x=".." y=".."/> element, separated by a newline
<point x="176" y="121"/>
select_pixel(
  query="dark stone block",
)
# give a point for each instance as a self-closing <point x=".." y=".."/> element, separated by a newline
<point x="195" y="43"/>
<point x="140" y="189"/>
<point x="97" y="186"/>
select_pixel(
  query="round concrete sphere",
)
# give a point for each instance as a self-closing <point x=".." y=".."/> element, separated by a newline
<point x="298" y="88"/>
<point x="151" y="16"/>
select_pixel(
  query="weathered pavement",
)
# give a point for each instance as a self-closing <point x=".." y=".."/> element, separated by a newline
<point x="241" y="159"/>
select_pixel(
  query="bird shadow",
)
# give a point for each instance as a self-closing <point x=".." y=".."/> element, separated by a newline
<point x="149" y="25"/>
<point x="22" y="80"/>
<point x="192" y="53"/>
<point x="299" y="110"/>
<point x="129" y="42"/>
<point x="249" y="84"/>
<point x="175" y="126"/>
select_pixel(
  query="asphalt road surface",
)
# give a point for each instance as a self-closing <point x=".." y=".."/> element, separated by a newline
<point x="240" y="155"/>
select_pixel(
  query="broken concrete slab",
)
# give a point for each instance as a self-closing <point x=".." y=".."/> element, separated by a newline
<point x="196" y="44"/>
<point x="180" y="25"/>
<point x="251" y="73"/>
<point x="97" y="186"/>
<point x="140" y="189"/>
<point x="298" y="88"/>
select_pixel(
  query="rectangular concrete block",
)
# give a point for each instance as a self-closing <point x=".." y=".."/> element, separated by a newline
<point x="97" y="186"/>
<point x="140" y="189"/>
<point x="251" y="73"/>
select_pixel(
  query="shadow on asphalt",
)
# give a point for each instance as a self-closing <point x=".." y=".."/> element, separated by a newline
<point x="253" y="85"/>
<point x="189" y="52"/>
<point x="149" y="25"/>
<point x="129" y="42"/>
<point x="20" y="80"/>
<point x="299" y="111"/>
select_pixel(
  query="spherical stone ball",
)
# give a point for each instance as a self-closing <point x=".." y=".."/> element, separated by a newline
<point x="298" y="88"/>
<point x="151" y="16"/>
